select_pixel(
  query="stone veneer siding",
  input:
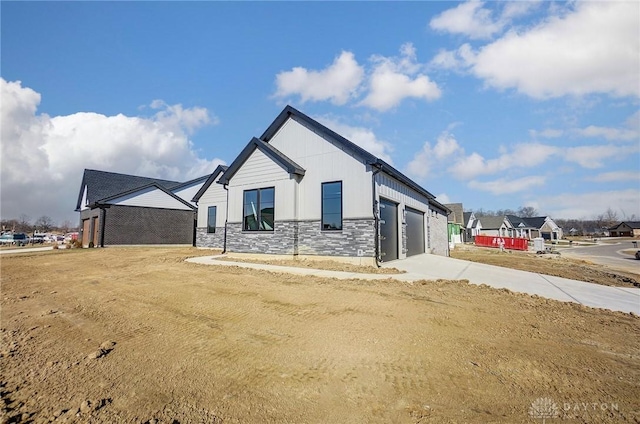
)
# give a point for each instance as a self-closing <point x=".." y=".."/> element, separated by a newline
<point x="214" y="240"/>
<point x="305" y="238"/>
<point x="139" y="225"/>
<point x="439" y="235"/>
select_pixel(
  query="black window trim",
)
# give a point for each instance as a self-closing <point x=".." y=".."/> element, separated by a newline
<point x="322" y="206"/>
<point x="214" y="220"/>
<point x="259" y="211"/>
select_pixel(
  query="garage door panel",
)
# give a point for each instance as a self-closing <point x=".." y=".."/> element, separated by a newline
<point x="415" y="232"/>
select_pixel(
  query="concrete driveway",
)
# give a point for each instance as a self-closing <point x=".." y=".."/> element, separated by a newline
<point x="594" y="295"/>
<point x="433" y="267"/>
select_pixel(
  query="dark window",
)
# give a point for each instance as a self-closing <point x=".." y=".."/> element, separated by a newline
<point x="332" y="206"/>
<point x="258" y="207"/>
<point x="211" y="219"/>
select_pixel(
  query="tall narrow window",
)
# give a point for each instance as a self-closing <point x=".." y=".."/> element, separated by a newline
<point x="211" y="219"/>
<point x="258" y="209"/>
<point x="332" y="206"/>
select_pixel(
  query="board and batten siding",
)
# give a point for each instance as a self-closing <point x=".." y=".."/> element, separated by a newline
<point x="187" y="193"/>
<point x="151" y="197"/>
<point x="323" y="162"/>
<point x="215" y="195"/>
<point x="260" y="171"/>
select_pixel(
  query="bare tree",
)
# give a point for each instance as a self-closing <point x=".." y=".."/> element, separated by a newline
<point x="24" y="223"/>
<point x="44" y="223"/>
<point x="527" y="211"/>
<point x="610" y="217"/>
<point x="66" y="226"/>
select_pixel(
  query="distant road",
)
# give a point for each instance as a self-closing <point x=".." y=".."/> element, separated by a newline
<point x="607" y="254"/>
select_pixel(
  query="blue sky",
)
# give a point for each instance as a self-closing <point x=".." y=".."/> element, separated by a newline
<point x="492" y="104"/>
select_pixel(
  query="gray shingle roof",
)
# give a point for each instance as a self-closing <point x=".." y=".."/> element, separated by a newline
<point x="535" y="221"/>
<point x="102" y="184"/>
<point x="491" y="222"/>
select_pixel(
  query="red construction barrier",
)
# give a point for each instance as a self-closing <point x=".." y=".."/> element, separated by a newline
<point x="509" y="242"/>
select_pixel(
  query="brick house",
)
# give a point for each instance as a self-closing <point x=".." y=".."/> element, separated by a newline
<point x="302" y="189"/>
<point x="121" y="209"/>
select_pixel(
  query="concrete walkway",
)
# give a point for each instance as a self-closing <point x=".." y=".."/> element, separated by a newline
<point x="432" y="267"/>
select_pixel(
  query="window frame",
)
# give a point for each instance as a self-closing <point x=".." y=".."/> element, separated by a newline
<point x="215" y="217"/>
<point x="322" y="227"/>
<point x="259" y="209"/>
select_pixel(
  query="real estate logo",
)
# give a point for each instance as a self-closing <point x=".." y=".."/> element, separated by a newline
<point x="543" y="408"/>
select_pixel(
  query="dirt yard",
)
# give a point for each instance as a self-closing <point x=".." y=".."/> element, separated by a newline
<point x="138" y="335"/>
<point x="549" y="264"/>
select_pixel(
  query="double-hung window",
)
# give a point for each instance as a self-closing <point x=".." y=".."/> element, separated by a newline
<point x="258" y="209"/>
<point x="211" y="219"/>
<point x="332" y="205"/>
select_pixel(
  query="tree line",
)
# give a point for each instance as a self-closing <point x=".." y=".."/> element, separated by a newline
<point x="44" y="224"/>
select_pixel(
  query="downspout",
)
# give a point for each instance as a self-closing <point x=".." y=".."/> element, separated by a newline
<point x="376" y="218"/>
<point x="226" y="220"/>
<point x="103" y="212"/>
<point x="195" y="226"/>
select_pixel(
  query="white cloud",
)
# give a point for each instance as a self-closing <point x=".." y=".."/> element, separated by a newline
<point x="609" y="133"/>
<point x="43" y="157"/>
<point x="508" y="186"/>
<point x="596" y="49"/>
<point x="525" y="155"/>
<point x="363" y="137"/>
<point x="396" y="78"/>
<point x="593" y="48"/>
<point x="630" y="131"/>
<point x="607" y="177"/>
<point x="389" y="80"/>
<point x="593" y="157"/>
<point x="588" y="205"/>
<point x="429" y="157"/>
<point x="469" y="19"/>
<point x="443" y="198"/>
<point x="338" y="82"/>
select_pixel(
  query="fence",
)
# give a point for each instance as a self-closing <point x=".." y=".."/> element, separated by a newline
<point x="509" y="242"/>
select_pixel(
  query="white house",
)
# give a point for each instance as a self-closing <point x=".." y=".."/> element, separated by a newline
<point x="302" y="189"/>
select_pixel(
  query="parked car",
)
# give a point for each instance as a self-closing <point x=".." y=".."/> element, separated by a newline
<point x="19" y="239"/>
<point x="38" y="238"/>
<point x="6" y="239"/>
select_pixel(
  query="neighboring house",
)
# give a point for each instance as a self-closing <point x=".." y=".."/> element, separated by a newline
<point x="470" y="225"/>
<point x="625" y="229"/>
<point x="455" y="224"/>
<point x="543" y="226"/>
<point x="121" y="209"/>
<point x="519" y="227"/>
<point x="491" y="226"/>
<point x="302" y="189"/>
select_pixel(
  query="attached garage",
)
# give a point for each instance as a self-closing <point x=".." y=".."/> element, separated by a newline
<point x="388" y="230"/>
<point x="415" y="232"/>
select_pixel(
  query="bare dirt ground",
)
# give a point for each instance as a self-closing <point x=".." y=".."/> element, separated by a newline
<point x="549" y="264"/>
<point x="138" y="335"/>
